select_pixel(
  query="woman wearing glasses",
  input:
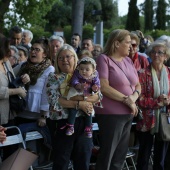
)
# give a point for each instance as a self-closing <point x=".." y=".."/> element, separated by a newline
<point x="38" y="67"/>
<point x="154" y="98"/>
<point x="77" y="145"/>
<point x="140" y="62"/>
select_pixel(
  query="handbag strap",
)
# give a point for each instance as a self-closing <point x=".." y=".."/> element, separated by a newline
<point x="124" y="73"/>
<point x="9" y="74"/>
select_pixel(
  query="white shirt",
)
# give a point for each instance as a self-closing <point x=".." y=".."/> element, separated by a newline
<point x="36" y="95"/>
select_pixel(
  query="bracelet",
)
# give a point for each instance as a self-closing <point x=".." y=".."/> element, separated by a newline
<point x="77" y="105"/>
<point x="137" y="92"/>
<point x="85" y="98"/>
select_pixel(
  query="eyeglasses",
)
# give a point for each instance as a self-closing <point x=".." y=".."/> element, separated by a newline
<point x="67" y="57"/>
<point x="35" y="49"/>
<point x="134" y="45"/>
<point x="160" y="53"/>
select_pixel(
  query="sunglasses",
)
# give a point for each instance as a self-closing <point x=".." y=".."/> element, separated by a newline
<point x="134" y="45"/>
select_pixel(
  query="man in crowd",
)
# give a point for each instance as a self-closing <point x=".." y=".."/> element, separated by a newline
<point x="75" y="42"/>
<point x="87" y="44"/>
<point x="15" y="34"/>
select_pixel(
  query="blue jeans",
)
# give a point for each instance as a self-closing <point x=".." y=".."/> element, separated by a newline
<point x="72" y="118"/>
<point x="76" y="147"/>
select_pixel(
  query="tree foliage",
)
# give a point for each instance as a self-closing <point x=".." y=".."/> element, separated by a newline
<point x="77" y="16"/>
<point x="161" y="15"/>
<point x="109" y="12"/>
<point x="24" y="12"/>
<point x="132" y="22"/>
<point x="148" y="13"/>
<point x="58" y="17"/>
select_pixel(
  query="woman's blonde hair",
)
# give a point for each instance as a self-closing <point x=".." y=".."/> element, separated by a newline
<point x="135" y="37"/>
<point x="116" y="35"/>
<point x="64" y="48"/>
<point x="85" y="53"/>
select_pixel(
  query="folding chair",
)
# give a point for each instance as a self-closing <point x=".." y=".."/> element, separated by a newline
<point x="14" y="139"/>
<point x="130" y="156"/>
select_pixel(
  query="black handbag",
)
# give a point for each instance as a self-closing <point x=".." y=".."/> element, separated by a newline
<point x="164" y="126"/>
<point x="17" y="103"/>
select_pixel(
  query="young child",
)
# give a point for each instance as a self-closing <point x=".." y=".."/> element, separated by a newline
<point x="85" y="81"/>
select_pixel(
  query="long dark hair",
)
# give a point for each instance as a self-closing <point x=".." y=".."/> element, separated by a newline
<point x="4" y="47"/>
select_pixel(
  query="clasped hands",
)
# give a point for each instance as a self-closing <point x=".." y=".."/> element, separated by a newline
<point x="130" y="102"/>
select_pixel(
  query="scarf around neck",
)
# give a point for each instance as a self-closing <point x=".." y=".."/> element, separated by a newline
<point x="34" y="70"/>
<point x="161" y="87"/>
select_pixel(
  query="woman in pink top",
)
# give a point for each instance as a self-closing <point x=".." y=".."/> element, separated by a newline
<point x="120" y="88"/>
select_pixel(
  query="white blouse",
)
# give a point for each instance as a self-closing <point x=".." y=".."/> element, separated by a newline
<point x="36" y="95"/>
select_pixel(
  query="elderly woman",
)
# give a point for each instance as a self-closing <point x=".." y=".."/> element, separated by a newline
<point x="155" y="97"/>
<point x="97" y="51"/>
<point x="77" y="144"/>
<point x="140" y="62"/>
<point x="56" y="43"/>
<point x="27" y="37"/>
<point x="120" y="88"/>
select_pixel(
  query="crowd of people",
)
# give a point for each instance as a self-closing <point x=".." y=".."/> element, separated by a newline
<point x="68" y="85"/>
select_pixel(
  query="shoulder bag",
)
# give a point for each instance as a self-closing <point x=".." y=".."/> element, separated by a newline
<point x="17" y="103"/>
<point x="164" y="126"/>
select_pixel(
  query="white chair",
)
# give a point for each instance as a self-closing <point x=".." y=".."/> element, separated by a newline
<point x="14" y="139"/>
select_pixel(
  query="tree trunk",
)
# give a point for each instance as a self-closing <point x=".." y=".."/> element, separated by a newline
<point x="4" y="6"/>
<point x="77" y="16"/>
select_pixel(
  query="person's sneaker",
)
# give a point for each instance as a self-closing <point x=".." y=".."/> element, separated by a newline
<point x="88" y="132"/>
<point x="70" y="131"/>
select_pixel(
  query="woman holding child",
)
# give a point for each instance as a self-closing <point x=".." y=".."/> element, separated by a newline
<point x="77" y="144"/>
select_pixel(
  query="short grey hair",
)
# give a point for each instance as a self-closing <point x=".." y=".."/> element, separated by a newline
<point x="159" y="43"/>
<point x="30" y="34"/>
<point x="12" y="47"/>
<point x="58" y="38"/>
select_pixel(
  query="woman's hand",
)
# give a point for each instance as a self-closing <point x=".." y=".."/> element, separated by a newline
<point x="2" y="134"/>
<point x="93" y="99"/>
<point x="134" y="109"/>
<point x="25" y="78"/>
<point x="131" y="98"/>
<point x="164" y="100"/>
<point x="85" y="106"/>
<point x="21" y="92"/>
<point x="132" y="106"/>
<point x="41" y="122"/>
